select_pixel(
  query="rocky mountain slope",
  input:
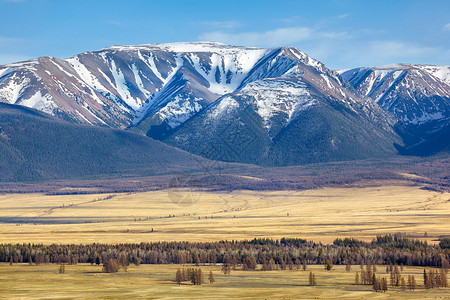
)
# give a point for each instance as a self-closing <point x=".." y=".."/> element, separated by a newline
<point x="418" y="96"/>
<point x="304" y="113"/>
<point x="123" y="85"/>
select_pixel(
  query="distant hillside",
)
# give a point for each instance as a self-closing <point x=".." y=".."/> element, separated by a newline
<point x="35" y="146"/>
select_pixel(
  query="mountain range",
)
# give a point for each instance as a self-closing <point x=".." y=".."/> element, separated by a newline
<point x="271" y="107"/>
<point x="418" y="96"/>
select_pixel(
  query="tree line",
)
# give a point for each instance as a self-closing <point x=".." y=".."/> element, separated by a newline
<point x="271" y="254"/>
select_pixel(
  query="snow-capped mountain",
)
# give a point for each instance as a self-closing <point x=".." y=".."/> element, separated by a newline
<point x="303" y="113"/>
<point x="296" y="109"/>
<point x="204" y="94"/>
<point x="417" y="95"/>
<point x="123" y="85"/>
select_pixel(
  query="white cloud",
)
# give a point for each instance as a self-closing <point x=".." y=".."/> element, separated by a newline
<point x="447" y="27"/>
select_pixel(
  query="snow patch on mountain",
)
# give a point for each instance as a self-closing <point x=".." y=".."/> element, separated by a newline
<point x="14" y="88"/>
<point x="179" y="110"/>
<point x="223" y="108"/>
<point x="441" y="72"/>
<point x="274" y="96"/>
<point x="41" y="102"/>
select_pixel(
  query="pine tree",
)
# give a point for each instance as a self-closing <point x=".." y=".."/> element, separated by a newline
<point x="384" y="284"/>
<point x="363" y="276"/>
<point x="328" y="264"/>
<point x="445" y="264"/>
<point x="226" y="269"/>
<point x="312" y="279"/>
<point x="111" y="266"/>
<point x="402" y="283"/>
<point x="356" y="278"/>
<point x="179" y="277"/>
<point x="413" y="283"/>
<point x="376" y="286"/>
<point x="444" y="280"/>
<point x="199" y="275"/>
<point x="427" y="282"/>
<point x="211" y="277"/>
<point x="297" y="264"/>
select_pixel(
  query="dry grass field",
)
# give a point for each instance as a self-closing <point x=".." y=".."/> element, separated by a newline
<point x="198" y="215"/>
<point x="194" y="215"/>
<point x="157" y="282"/>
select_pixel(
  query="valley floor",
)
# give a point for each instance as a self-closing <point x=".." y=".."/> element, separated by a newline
<point x="196" y="215"/>
<point x="22" y="281"/>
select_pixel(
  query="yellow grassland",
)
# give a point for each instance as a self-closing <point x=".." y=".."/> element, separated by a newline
<point x="197" y="215"/>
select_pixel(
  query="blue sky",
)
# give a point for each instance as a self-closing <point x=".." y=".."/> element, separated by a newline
<point x="341" y="34"/>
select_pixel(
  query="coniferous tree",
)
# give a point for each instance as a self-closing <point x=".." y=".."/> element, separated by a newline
<point x="445" y="264"/>
<point x="197" y="278"/>
<point x="328" y="264"/>
<point x="356" y="278"/>
<point x="384" y="284"/>
<point x="413" y="283"/>
<point x="444" y="280"/>
<point x="426" y="279"/>
<point x="211" y="277"/>
<point x="312" y="279"/>
<point x="123" y="261"/>
<point x="402" y="283"/>
<point x="111" y="266"/>
<point x="297" y="264"/>
<point x="179" y="277"/>
<point x="376" y="284"/>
